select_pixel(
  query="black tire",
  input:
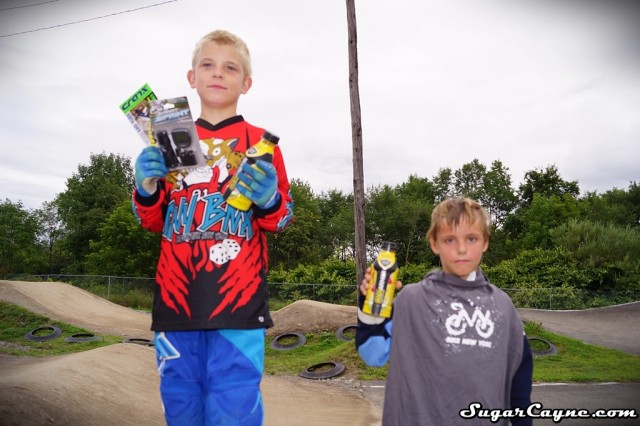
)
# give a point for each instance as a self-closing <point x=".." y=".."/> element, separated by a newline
<point x="301" y="340"/>
<point x="82" y="337"/>
<point x="312" y="373"/>
<point x="144" y="342"/>
<point x="55" y="332"/>
<point x="550" y="350"/>
<point x="340" y="332"/>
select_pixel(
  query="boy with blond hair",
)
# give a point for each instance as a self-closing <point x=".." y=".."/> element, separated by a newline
<point x="455" y="341"/>
<point x="210" y="308"/>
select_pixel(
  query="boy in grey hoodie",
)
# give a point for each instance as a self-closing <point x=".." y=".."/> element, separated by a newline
<point x="455" y="342"/>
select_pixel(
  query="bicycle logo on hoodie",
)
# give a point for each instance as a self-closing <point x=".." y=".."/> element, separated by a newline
<point x="457" y="324"/>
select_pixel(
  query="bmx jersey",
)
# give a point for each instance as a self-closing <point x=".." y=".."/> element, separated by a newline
<point x="453" y="343"/>
<point x="213" y="262"/>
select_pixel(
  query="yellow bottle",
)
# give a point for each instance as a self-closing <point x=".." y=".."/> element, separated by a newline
<point x="379" y="298"/>
<point x="263" y="150"/>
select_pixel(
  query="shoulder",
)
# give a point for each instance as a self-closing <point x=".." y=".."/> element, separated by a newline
<point x="410" y="292"/>
<point x="255" y="132"/>
<point x="505" y="305"/>
<point x="500" y="293"/>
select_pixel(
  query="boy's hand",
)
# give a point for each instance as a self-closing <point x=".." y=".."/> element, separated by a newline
<point x="366" y="282"/>
<point x="149" y="168"/>
<point x="259" y="183"/>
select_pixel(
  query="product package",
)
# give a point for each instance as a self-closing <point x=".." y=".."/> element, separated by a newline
<point x="136" y="108"/>
<point x="173" y="130"/>
<point x="167" y="124"/>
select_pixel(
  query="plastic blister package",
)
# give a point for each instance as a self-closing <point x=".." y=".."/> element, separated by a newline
<point x="174" y="131"/>
<point x="167" y="124"/>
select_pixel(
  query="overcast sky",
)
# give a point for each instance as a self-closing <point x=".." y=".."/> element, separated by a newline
<point x="441" y="83"/>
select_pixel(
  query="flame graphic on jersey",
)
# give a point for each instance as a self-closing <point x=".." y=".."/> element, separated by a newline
<point x="201" y="261"/>
<point x="239" y="284"/>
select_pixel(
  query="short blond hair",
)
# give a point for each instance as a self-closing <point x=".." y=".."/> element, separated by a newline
<point x="225" y="38"/>
<point x="455" y="210"/>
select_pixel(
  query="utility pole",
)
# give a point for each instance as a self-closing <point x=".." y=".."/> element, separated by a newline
<point x="356" y="138"/>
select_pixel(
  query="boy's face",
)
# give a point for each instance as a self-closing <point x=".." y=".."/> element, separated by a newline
<point x="218" y="76"/>
<point x="460" y="248"/>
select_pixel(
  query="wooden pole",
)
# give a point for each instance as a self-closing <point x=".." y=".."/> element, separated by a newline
<point x="356" y="137"/>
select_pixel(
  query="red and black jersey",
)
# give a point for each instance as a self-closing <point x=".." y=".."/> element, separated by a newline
<point x="213" y="259"/>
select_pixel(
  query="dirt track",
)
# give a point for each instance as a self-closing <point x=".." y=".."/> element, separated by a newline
<point x="616" y="327"/>
<point x="118" y="384"/>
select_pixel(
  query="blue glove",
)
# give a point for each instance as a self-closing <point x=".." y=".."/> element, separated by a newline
<point x="148" y="169"/>
<point x="259" y="183"/>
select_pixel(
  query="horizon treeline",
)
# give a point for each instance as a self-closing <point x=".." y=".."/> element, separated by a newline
<point x="545" y="232"/>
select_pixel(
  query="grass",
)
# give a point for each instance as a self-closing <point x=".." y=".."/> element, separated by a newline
<point x="580" y="362"/>
<point x="15" y="322"/>
<point x="575" y="361"/>
<point x="320" y="347"/>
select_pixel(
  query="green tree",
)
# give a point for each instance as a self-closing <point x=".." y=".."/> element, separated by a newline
<point x="419" y="189"/>
<point x="633" y="201"/>
<point x="20" y="251"/>
<point x="303" y="241"/>
<point x="443" y="184"/>
<point x="417" y="195"/>
<point x="92" y="194"/>
<point x="50" y="235"/>
<point x="391" y="216"/>
<point x="607" y="252"/>
<point x="544" y="214"/>
<point x="533" y="275"/>
<point x="469" y="180"/>
<point x="546" y="201"/>
<point x="615" y="206"/>
<point x="498" y="197"/>
<point x="338" y="224"/>
<point x="123" y="247"/>
<point x="546" y="182"/>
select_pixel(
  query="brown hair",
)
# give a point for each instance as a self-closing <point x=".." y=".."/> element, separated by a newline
<point x="453" y="211"/>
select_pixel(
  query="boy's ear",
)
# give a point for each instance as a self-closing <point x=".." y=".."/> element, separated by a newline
<point x="191" y="76"/>
<point x="246" y="84"/>
<point x="434" y="248"/>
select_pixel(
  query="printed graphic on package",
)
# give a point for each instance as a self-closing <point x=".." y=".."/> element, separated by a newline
<point x="137" y="108"/>
<point x="167" y="124"/>
<point x="175" y="133"/>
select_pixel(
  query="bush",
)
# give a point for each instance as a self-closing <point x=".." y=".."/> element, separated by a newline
<point x="332" y="281"/>
<point x="538" y="268"/>
<point x="607" y="253"/>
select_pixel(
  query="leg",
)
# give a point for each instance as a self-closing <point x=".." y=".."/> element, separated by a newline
<point x="181" y="365"/>
<point x="234" y="371"/>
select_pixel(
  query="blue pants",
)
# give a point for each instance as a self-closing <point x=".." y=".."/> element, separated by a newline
<point x="211" y="377"/>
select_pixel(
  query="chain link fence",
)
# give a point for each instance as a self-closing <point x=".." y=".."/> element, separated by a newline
<point x="137" y="292"/>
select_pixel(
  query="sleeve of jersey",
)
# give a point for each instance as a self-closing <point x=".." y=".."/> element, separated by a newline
<point x="150" y="210"/>
<point x="277" y="217"/>
<point x="373" y="337"/>
<point x="521" y="385"/>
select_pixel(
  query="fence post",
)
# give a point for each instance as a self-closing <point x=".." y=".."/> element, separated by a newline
<point x="109" y="288"/>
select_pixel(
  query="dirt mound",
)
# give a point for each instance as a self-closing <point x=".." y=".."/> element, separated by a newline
<point x="306" y="316"/>
<point x="115" y="384"/>
<point x="64" y="302"/>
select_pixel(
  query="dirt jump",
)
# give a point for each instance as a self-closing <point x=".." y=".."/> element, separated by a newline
<point x="118" y="384"/>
